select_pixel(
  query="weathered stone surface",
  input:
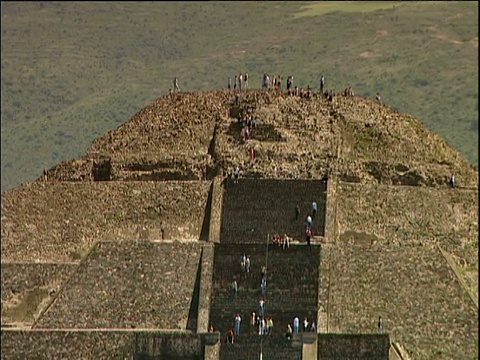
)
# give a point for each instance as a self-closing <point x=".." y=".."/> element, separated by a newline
<point x="353" y="346"/>
<point x="252" y="209"/>
<point x="129" y="284"/>
<point x="60" y="221"/>
<point x="68" y="345"/>
<point x="106" y="344"/>
<point x="28" y="288"/>
<point x="192" y="136"/>
<point x="422" y="305"/>
<point x="409" y="216"/>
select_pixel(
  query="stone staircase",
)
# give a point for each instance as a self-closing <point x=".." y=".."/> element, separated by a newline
<point x="292" y="290"/>
<point x="253" y="208"/>
<point x="273" y="347"/>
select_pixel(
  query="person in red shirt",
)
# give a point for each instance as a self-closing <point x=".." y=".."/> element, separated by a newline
<point x="230" y="336"/>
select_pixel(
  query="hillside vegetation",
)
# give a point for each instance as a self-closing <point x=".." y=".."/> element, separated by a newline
<point x="72" y="71"/>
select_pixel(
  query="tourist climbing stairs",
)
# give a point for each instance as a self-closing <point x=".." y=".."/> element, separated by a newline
<point x="292" y="290"/>
<point x="253" y="208"/>
<point x="253" y="211"/>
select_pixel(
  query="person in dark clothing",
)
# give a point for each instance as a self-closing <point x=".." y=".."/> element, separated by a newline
<point x="230" y="336"/>
<point x="297" y="212"/>
<point x="451" y="182"/>
<point x="308" y="235"/>
<point x="325" y="178"/>
<point x="288" y="334"/>
<point x="330" y="95"/>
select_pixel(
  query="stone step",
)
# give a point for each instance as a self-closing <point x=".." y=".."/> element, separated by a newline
<point x="246" y="310"/>
<point x="274" y="347"/>
<point x="282" y="185"/>
<point x="275" y="282"/>
<point x="271" y="300"/>
<point x="259" y="249"/>
<point x="252" y="208"/>
<point x="253" y="339"/>
<point x="223" y="323"/>
<point x="222" y="320"/>
<point x="305" y="293"/>
<point x="274" y="296"/>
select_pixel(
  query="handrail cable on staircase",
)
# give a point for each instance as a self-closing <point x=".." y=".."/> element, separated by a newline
<point x="264" y="295"/>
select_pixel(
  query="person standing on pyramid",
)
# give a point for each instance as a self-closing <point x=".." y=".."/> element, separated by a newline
<point x="175" y="85"/>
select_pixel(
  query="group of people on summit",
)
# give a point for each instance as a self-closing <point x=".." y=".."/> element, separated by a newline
<point x="275" y="83"/>
<point x="241" y="82"/>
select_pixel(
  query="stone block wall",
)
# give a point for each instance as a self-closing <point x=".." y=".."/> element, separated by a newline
<point x="104" y="344"/>
<point x="216" y="211"/>
<point x="131" y="284"/>
<point x="205" y="291"/>
<point x="353" y="346"/>
<point x="67" y="345"/>
<point x="248" y="347"/>
<point x="173" y="346"/>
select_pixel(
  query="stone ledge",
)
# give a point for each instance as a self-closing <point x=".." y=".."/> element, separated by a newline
<point x="211" y="338"/>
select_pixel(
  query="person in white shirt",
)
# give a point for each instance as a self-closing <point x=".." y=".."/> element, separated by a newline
<point x="253" y="318"/>
<point x="243" y="261"/>
<point x="236" y="172"/>
<point x="175" y="85"/>
<point x="309" y="222"/>
<point x="238" y="320"/>
<point x="286" y="241"/>
<point x="296" y="324"/>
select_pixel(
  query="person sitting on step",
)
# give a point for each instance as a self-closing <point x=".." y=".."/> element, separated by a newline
<point x="286" y="241"/>
<point x="230" y="336"/>
<point x="289" y="332"/>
